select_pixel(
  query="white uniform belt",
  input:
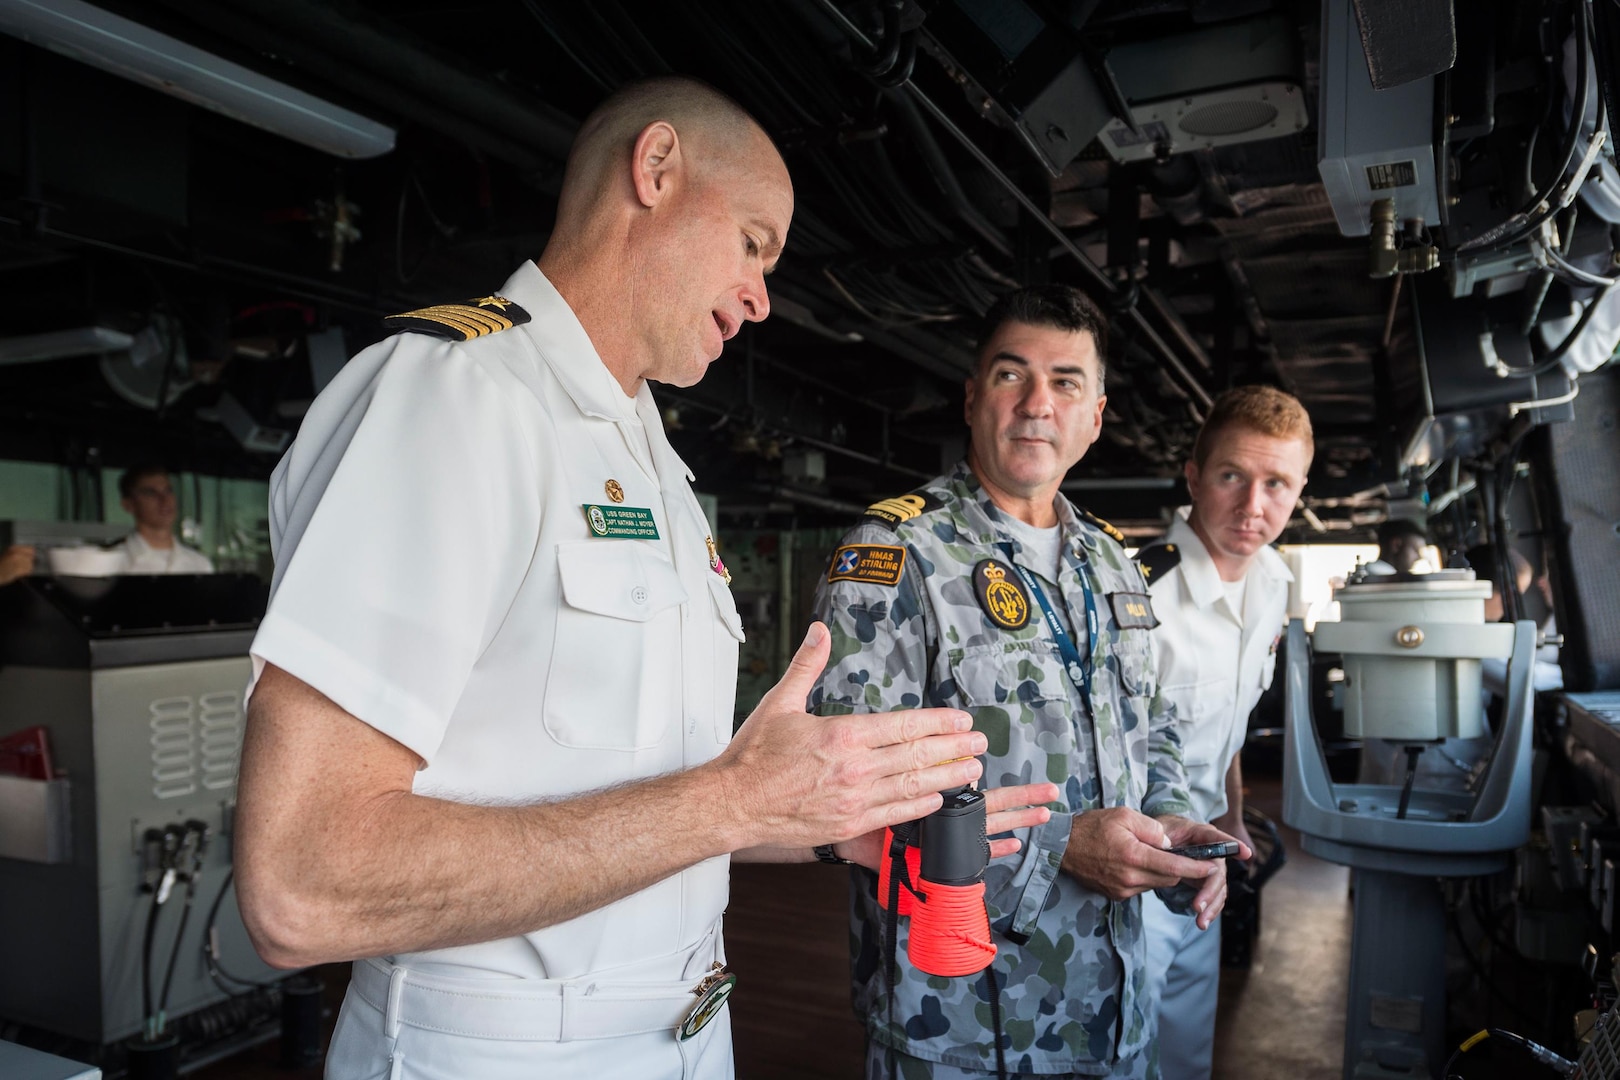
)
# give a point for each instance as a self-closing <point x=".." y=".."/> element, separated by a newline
<point x="521" y="1009"/>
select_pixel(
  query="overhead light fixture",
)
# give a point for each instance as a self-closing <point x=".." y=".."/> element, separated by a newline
<point x="57" y="344"/>
<point x="143" y="55"/>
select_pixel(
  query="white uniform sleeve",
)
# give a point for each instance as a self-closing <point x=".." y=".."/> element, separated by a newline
<point x="407" y="520"/>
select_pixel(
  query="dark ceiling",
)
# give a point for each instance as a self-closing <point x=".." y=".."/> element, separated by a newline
<point x="234" y="248"/>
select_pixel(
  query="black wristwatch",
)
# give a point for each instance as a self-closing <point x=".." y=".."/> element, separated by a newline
<point x="826" y="854"/>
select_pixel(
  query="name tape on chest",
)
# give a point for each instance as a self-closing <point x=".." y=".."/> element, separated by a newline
<point x="621" y="522"/>
<point x="1000" y="594"/>
<point x="874" y="564"/>
<point x="902" y="508"/>
<point x="1133" y="610"/>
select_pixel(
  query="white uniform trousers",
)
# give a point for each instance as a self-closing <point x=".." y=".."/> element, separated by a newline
<point x="1184" y="982"/>
<point x="403" y="1024"/>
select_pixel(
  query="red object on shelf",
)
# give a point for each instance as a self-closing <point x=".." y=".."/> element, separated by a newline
<point x="27" y="753"/>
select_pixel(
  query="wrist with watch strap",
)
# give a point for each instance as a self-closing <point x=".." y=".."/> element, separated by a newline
<point x="825" y="853"/>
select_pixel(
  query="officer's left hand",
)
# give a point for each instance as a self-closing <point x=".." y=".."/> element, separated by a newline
<point x="1211" y="897"/>
<point x="1006" y="809"/>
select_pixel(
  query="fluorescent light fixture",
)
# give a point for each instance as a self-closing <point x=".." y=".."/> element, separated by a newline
<point x="141" y="54"/>
<point x="79" y="341"/>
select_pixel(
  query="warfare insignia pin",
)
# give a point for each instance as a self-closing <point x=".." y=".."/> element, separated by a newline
<point x="615" y="491"/>
<point x="500" y="303"/>
<point x="1000" y="595"/>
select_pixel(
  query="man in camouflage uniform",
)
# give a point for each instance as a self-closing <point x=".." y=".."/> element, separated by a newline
<point x="927" y="606"/>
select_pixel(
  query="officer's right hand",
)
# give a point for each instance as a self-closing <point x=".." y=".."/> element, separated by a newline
<point x="796" y="780"/>
<point x="1119" y="852"/>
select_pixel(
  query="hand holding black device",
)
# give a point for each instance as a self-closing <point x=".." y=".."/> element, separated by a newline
<point x="1178" y="898"/>
<point x="1222" y="850"/>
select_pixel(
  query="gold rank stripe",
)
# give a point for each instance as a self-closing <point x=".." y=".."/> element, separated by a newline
<point x="902" y="507"/>
<point x="471" y="321"/>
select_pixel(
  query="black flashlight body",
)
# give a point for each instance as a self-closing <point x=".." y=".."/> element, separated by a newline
<point x="955" y="849"/>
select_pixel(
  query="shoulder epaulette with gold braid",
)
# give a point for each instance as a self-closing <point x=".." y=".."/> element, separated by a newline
<point x="1157" y="560"/>
<point x="1119" y="537"/>
<point x="461" y="322"/>
<point x="902" y="508"/>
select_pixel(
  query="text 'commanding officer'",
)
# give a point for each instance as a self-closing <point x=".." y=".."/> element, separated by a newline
<point x="490" y="745"/>
<point x="987" y="590"/>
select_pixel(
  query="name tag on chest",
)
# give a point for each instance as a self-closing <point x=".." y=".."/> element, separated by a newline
<point x="1132" y="610"/>
<point x="624" y="522"/>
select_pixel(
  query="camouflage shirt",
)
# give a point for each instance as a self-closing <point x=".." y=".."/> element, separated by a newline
<point x="919" y="615"/>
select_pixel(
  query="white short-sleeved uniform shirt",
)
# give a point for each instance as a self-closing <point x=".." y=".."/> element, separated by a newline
<point x="142" y="558"/>
<point x="1215" y="657"/>
<point x="437" y="578"/>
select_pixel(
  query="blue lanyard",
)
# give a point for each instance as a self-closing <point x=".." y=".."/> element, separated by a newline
<point x="1079" y="668"/>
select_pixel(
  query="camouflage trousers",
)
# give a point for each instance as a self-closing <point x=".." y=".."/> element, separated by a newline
<point x="882" y="1063"/>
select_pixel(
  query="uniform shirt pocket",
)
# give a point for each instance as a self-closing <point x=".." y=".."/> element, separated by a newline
<point x="1006" y="673"/>
<point x="1133" y="652"/>
<point x="1202" y="711"/>
<point x="615" y="678"/>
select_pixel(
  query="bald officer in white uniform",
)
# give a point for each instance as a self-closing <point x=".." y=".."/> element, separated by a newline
<point x="1221" y="595"/>
<point x="507" y="785"/>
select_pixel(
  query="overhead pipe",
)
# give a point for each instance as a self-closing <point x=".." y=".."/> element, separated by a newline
<point x="934" y="158"/>
<point x="1100" y="280"/>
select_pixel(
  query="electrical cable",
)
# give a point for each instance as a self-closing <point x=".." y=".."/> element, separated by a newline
<point x="1484" y="977"/>
<point x="197" y="841"/>
<point x="1542" y="1056"/>
<point x="1555" y="357"/>
<point x="148" y="1013"/>
<point x="1516" y="227"/>
<point x="1100" y="281"/>
<point x="216" y="970"/>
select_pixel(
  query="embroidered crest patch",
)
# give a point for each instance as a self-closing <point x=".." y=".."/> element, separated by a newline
<point x="999" y="593"/>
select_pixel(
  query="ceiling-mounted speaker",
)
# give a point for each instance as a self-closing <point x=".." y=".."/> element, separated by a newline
<point x="1203" y="121"/>
<point x="1232" y="83"/>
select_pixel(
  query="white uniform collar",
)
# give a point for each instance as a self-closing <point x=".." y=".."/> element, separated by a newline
<point x="566" y="347"/>
<point x="1204" y="583"/>
<point x="139" y="547"/>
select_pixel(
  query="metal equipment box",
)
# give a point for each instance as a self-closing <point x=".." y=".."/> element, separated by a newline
<point x="140" y="684"/>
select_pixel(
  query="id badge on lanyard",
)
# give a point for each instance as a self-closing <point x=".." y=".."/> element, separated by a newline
<point x="1079" y="668"/>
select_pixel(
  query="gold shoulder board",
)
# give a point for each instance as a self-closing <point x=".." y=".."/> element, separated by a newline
<point x="461" y="322"/>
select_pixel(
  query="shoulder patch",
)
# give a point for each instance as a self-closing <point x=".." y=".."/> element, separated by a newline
<point x="1117" y="536"/>
<point x="1157" y="560"/>
<point x="902" y="508"/>
<point x="877" y="564"/>
<point x="461" y="322"/>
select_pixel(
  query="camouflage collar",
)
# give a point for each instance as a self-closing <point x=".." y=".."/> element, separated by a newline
<point x="978" y="517"/>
